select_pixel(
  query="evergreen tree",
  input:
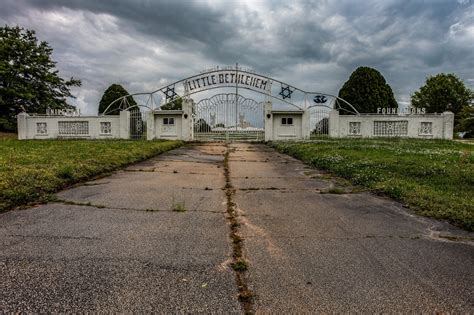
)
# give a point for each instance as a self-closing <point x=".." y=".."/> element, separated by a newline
<point x="111" y="94"/>
<point x="367" y="90"/>
<point x="176" y="104"/>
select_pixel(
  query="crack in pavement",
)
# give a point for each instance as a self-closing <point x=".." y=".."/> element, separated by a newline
<point x="239" y="264"/>
<point x="166" y="172"/>
<point x="414" y="237"/>
<point x="82" y="204"/>
<point x="55" y="237"/>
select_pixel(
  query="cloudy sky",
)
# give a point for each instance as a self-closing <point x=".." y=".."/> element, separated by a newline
<point x="314" y="45"/>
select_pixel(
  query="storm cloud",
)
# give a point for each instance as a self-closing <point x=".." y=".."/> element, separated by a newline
<point x="314" y="45"/>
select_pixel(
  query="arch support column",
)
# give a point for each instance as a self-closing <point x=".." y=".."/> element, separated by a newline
<point x="187" y="120"/>
<point x="268" y="117"/>
<point x="305" y="125"/>
<point x="124" y="124"/>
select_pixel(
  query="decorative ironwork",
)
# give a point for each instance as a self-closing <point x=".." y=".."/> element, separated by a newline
<point x="41" y="128"/>
<point x="105" y="127"/>
<point x="391" y="128"/>
<point x="227" y="116"/>
<point x="286" y="91"/>
<point x="73" y="128"/>
<point x="229" y="77"/>
<point x="137" y="123"/>
<point x="426" y="128"/>
<point x="354" y="128"/>
<point x="319" y="121"/>
<point x="320" y="99"/>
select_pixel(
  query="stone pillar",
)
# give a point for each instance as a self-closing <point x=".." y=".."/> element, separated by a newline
<point x="22" y="126"/>
<point x="448" y="125"/>
<point x="334" y="124"/>
<point x="150" y="125"/>
<point x="268" y="118"/>
<point x="305" y="125"/>
<point x="187" y="131"/>
<point x="124" y="124"/>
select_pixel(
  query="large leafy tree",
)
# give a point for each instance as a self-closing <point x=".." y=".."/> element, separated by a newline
<point x="201" y="126"/>
<point x="29" y="80"/>
<point x="443" y="92"/>
<point x="111" y="94"/>
<point x="176" y="104"/>
<point x="367" y="90"/>
<point x="466" y="121"/>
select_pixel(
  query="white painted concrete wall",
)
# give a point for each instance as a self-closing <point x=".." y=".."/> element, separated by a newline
<point x="441" y="125"/>
<point x="339" y="125"/>
<point x="32" y="127"/>
<point x="170" y="132"/>
<point x="287" y="132"/>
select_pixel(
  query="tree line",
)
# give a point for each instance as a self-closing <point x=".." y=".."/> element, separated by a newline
<point x="29" y="82"/>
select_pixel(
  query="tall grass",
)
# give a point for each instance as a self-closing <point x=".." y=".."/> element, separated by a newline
<point x="433" y="177"/>
<point x="31" y="170"/>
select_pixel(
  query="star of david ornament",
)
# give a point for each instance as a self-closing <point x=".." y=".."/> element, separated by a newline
<point x="170" y="93"/>
<point x="286" y="92"/>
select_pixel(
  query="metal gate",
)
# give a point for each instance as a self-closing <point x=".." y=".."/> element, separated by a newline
<point x="229" y="116"/>
<point x="137" y="123"/>
<point x="319" y="121"/>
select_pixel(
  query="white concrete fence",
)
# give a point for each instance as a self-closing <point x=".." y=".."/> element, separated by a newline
<point x="279" y="125"/>
<point x="64" y="127"/>
<point x="428" y="126"/>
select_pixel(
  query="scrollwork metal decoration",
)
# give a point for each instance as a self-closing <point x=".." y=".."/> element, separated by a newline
<point x="320" y="99"/>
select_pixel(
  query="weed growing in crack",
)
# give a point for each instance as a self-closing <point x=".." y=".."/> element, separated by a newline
<point x="336" y="190"/>
<point x="236" y="239"/>
<point x="240" y="265"/>
<point x="245" y="296"/>
<point x="234" y="225"/>
<point x="178" y="206"/>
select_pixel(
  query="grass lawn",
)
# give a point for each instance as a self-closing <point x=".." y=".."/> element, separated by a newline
<point x="31" y="170"/>
<point x="433" y="177"/>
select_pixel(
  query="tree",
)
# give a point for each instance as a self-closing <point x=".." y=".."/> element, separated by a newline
<point x="201" y="126"/>
<point x="176" y="104"/>
<point x="443" y="92"/>
<point x="29" y="80"/>
<point x="367" y="90"/>
<point x="321" y="127"/>
<point x="111" y="94"/>
<point x="466" y="121"/>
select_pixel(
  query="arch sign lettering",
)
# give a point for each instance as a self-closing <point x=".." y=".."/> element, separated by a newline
<point x="239" y="78"/>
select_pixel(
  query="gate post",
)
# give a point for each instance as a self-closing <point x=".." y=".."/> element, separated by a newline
<point x="22" y="126"/>
<point x="305" y="128"/>
<point x="187" y="120"/>
<point x="268" y="117"/>
<point x="334" y="124"/>
<point x="124" y="124"/>
<point x="150" y="125"/>
<point x="448" y="125"/>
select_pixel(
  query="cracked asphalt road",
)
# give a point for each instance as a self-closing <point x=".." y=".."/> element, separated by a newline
<point x="115" y="244"/>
